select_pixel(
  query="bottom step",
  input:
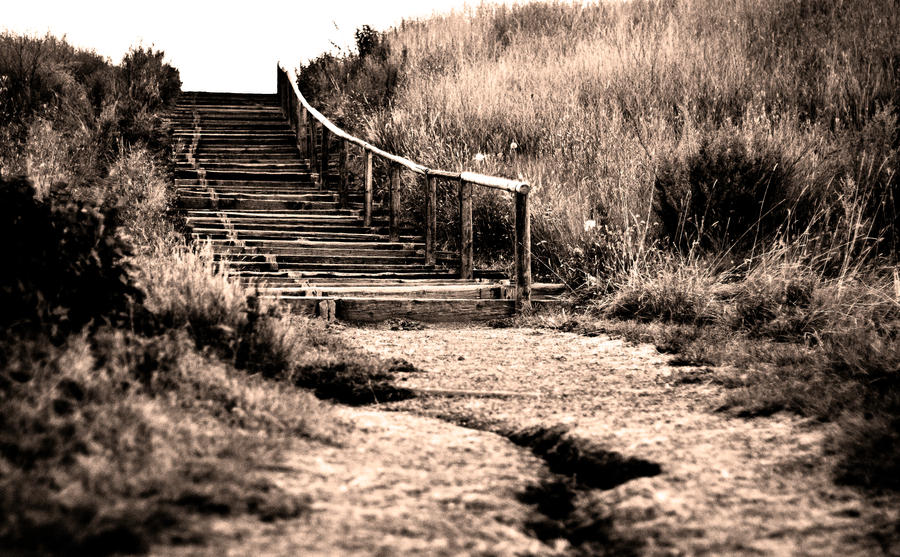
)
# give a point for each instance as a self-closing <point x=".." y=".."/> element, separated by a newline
<point x="418" y="309"/>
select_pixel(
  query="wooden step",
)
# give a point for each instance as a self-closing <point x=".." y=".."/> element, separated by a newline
<point x="419" y="290"/>
<point x="243" y="187"/>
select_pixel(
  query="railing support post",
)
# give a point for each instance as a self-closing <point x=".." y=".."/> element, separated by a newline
<point x="465" y="230"/>
<point x="323" y="160"/>
<point x="342" y="192"/>
<point x="430" y="218"/>
<point x="367" y="197"/>
<point x="523" y="252"/>
<point x="301" y="132"/>
<point x="311" y="141"/>
<point x="393" y="221"/>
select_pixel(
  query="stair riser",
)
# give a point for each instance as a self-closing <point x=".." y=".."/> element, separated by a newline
<point x="376" y="310"/>
<point x="224" y="204"/>
<point x="245" y="176"/>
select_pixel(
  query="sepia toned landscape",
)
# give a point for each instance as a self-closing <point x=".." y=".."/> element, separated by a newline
<point x="548" y="278"/>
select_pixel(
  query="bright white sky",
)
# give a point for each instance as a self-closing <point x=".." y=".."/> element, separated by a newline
<point x="217" y="46"/>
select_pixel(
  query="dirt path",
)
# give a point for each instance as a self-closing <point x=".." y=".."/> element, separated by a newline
<point x="398" y="484"/>
<point x="728" y="485"/>
<point x="424" y="477"/>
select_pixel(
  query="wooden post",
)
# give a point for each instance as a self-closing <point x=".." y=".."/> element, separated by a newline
<point x="393" y="222"/>
<point x="523" y="253"/>
<point x="465" y="231"/>
<point x="311" y="141"/>
<point x="430" y="218"/>
<point x="342" y="192"/>
<point x="301" y="132"/>
<point x="323" y="160"/>
<point x="367" y="199"/>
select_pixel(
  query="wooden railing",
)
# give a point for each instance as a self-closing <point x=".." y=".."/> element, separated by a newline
<point x="303" y="117"/>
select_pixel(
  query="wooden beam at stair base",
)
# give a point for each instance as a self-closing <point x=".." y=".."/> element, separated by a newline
<point x="466" y="254"/>
<point x="430" y="217"/>
<point x="371" y="310"/>
<point x="394" y="225"/>
<point x="421" y="291"/>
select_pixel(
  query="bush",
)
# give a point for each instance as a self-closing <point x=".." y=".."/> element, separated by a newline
<point x="668" y="290"/>
<point x="38" y="74"/>
<point x="145" y="86"/>
<point x="93" y="108"/>
<point x="65" y="264"/>
<point x="137" y="187"/>
<point x="728" y="196"/>
<point x="365" y="80"/>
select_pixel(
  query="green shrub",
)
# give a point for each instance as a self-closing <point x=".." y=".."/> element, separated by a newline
<point x="38" y="74"/>
<point x="669" y="290"/>
<point x="93" y="108"/>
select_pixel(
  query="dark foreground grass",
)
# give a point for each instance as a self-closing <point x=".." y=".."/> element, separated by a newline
<point x="118" y="438"/>
<point x="113" y="442"/>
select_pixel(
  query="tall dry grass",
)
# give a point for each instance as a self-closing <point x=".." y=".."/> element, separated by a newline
<point x="600" y="99"/>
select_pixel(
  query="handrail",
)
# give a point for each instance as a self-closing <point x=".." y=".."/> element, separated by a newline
<point x="515" y="186"/>
<point x="305" y="131"/>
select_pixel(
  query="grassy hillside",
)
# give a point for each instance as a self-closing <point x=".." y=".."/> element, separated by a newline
<point x="724" y="171"/>
<point x="141" y="390"/>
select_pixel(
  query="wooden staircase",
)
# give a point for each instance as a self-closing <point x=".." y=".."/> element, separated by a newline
<point x="277" y="223"/>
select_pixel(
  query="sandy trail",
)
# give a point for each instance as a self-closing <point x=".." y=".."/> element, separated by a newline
<point x="398" y="484"/>
<point x="729" y="485"/>
<point x="407" y="480"/>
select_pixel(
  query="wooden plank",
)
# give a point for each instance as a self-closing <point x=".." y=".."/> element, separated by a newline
<point x="367" y="196"/>
<point x="394" y="218"/>
<point x="523" y="253"/>
<point x="486" y="292"/>
<point x="431" y="310"/>
<point x="466" y="255"/>
<point x="430" y="217"/>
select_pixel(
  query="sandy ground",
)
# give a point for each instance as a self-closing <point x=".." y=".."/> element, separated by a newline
<point x="398" y="484"/>
<point x="729" y="485"/>
<point x="408" y="480"/>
